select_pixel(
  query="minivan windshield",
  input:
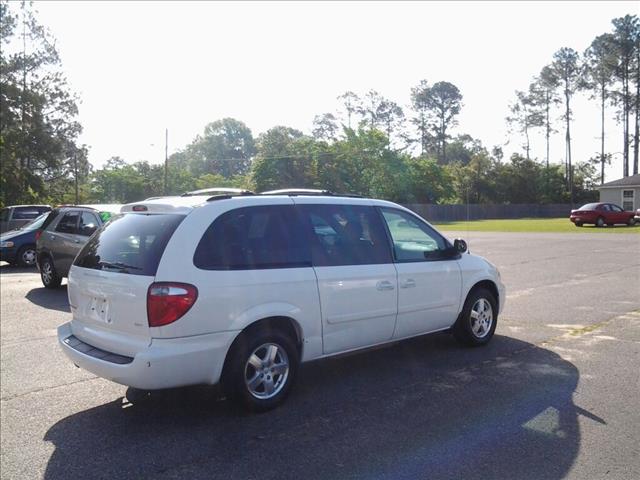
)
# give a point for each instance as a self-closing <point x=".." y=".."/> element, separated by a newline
<point x="35" y="223"/>
<point x="130" y="243"/>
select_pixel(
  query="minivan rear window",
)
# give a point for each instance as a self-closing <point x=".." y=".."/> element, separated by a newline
<point x="131" y="243"/>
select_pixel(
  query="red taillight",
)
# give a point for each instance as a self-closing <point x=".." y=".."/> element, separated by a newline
<point x="38" y="234"/>
<point x="168" y="301"/>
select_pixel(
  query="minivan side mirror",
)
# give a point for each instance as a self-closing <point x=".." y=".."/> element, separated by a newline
<point x="460" y="245"/>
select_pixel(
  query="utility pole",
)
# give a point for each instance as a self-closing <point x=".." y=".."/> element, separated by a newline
<point x="75" y="174"/>
<point x="166" y="159"/>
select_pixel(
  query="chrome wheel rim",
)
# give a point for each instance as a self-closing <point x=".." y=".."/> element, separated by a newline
<point x="29" y="257"/>
<point x="47" y="272"/>
<point x="481" y="318"/>
<point x="266" y="371"/>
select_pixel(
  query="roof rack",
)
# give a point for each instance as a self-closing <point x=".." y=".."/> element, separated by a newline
<point x="218" y="191"/>
<point x="308" y="191"/>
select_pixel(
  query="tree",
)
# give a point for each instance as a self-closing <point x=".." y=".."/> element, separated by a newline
<point x="325" y="127"/>
<point x="281" y="161"/>
<point x="351" y="103"/>
<point x="599" y="64"/>
<point x="626" y="36"/>
<point x="523" y="117"/>
<point x="444" y="101"/>
<point x="39" y="152"/>
<point x="543" y="92"/>
<point x="420" y="105"/>
<point x="225" y="148"/>
<point x="391" y="117"/>
<point x="566" y="69"/>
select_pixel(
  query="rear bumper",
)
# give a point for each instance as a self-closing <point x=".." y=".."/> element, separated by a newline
<point x="166" y="363"/>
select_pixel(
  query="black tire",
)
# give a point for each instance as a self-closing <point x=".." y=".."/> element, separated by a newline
<point x="600" y="222"/>
<point x="579" y="224"/>
<point x="631" y="222"/>
<point x="238" y="368"/>
<point x="466" y="329"/>
<point x="48" y="274"/>
<point x="26" y="256"/>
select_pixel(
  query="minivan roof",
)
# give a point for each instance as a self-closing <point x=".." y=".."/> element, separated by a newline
<point x="29" y="205"/>
<point x="180" y="205"/>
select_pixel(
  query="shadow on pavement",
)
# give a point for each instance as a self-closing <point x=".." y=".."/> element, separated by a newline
<point x="54" y="299"/>
<point x="424" y="408"/>
<point x="8" y="268"/>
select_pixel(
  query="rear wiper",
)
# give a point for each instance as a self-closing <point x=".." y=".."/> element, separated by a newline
<point x="118" y="265"/>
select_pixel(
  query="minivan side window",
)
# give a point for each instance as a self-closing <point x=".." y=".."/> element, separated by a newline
<point x="345" y="235"/>
<point x="253" y="238"/>
<point x="25" y="213"/>
<point x="68" y="223"/>
<point x="413" y="240"/>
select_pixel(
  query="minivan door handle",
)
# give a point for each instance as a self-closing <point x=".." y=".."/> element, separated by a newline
<point x="385" y="285"/>
<point x="409" y="283"/>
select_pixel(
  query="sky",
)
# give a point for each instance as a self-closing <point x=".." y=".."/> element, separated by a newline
<point x="141" y="68"/>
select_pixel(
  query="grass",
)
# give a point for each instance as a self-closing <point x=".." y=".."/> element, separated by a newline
<point x="559" y="225"/>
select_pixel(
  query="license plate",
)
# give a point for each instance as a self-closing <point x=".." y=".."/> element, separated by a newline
<point x="99" y="309"/>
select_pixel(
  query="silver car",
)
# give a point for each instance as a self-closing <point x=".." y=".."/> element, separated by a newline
<point x="63" y="234"/>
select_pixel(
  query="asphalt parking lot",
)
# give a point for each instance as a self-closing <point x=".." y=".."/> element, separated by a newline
<point x="555" y="395"/>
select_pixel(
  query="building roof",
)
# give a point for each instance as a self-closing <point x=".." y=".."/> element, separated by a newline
<point x="630" y="181"/>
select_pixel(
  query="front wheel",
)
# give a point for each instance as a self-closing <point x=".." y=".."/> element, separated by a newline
<point x="260" y="370"/>
<point x="578" y="224"/>
<point x="27" y="256"/>
<point x="477" y="322"/>
<point x="631" y="222"/>
<point x="48" y="274"/>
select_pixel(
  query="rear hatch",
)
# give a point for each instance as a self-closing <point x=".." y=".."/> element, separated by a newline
<point x="110" y="277"/>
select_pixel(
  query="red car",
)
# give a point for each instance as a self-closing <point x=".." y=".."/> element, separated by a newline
<point x="600" y="214"/>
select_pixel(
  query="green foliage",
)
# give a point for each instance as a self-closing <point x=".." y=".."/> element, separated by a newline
<point x="39" y="154"/>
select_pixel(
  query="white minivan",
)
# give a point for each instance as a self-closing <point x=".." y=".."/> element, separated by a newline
<point x="241" y="289"/>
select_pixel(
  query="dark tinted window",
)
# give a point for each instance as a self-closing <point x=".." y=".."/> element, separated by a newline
<point x="68" y="223"/>
<point x="4" y="214"/>
<point x="25" y="213"/>
<point x="254" y="238"/>
<point x="88" y="224"/>
<point x="130" y="243"/>
<point x="50" y="218"/>
<point x="346" y="235"/>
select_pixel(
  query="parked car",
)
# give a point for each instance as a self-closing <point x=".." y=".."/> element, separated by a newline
<point x="63" y="234"/>
<point x="197" y="290"/>
<point x="16" y="216"/>
<point x="637" y="216"/>
<point x="18" y="247"/>
<point x="600" y="214"/>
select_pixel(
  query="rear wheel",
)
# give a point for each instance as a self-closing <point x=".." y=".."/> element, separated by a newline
<point x="27" y="256"/>
<point x="600" y="222"/>
<point x="48" y="274"/>
<point x="261" y="368"/>
<point x="477" y="322"/>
